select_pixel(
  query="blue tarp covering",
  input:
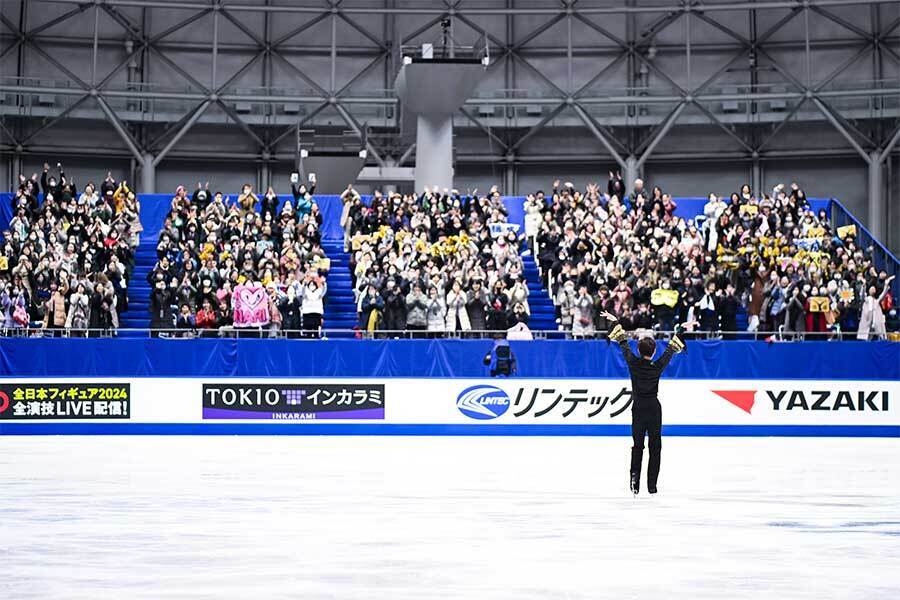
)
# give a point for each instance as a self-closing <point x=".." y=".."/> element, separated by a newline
<point x="432" y="358"/>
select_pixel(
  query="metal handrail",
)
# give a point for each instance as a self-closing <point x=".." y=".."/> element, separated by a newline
<point x="782" y="334"/>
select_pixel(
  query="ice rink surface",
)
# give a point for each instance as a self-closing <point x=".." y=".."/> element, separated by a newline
<point x="458" y="517"/>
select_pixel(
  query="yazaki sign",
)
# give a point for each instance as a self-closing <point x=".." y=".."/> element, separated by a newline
<point x="688" y="402"/>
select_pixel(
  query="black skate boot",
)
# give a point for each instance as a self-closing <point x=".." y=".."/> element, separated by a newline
<point x="635" y="484"/>
<point x="652" y="489"/>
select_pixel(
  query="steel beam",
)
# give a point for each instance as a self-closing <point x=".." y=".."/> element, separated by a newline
<point x="599" y="135"/>
<point x="357" y="128"/>
<point x="841" y="129"/>
<point x="181" y="132"/>
<point x="667" y="126"/>
<point x="120" y="129"/>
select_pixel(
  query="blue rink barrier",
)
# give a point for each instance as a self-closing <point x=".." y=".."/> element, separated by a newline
<point x="437" y="429"/>
<point x="557" y="359"/>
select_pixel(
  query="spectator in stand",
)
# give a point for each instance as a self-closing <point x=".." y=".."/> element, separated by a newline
<point x="872" y="320"/>
<point x="436" y="311"/>
<point x="312" y="294"/>
<point x="207" y="319"/>
<point x="186" y="321"/>
<point x="416" y="309"/>
<point x="459" y="244"/>
<point x="214" y="247"/>
<point x="58" y="238"/>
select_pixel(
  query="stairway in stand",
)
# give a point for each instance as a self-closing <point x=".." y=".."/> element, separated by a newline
<point x="340" y="309"/>
<point x="543" y="313"/>
<point x="138" y="314"/>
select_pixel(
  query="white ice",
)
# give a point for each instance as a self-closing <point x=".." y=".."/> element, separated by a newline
<point x="462" y="517"/>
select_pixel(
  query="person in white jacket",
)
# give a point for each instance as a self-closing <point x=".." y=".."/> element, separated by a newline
<point x="312" y="294"/>
<point x="436" y="311"/>
<point x="872" y="317"/>
<point x="457" y="317"/>
<point x="711" y="210"/>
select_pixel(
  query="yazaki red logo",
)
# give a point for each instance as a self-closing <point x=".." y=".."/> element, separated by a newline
<point x="4" y="402"/>
<point x="743" y="399"/>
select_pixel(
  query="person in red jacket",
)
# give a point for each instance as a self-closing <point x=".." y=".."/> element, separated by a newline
<point x="207" y="318"/>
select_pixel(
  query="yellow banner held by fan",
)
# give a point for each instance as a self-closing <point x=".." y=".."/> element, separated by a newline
<point x="659" y="297"/>
<point x="818" y="304"/>
<point x="846" y="230"/>
<point x="4" y="263"/>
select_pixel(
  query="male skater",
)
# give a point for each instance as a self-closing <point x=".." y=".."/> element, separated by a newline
<point x="646" y="412"/>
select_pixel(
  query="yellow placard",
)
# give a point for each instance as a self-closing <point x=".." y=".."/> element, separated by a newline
<point x="4" y="263"/>
<point x="846" y="230"/>
<point x="749" y="210"/>
<point x="818" y="304"/>
<point x="659" y="297"/>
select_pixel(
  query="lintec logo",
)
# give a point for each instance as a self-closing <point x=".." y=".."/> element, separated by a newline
<point x="482" y="402"/>
<point x="833" y="400"/>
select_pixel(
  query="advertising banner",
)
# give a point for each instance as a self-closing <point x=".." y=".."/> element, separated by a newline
<point x="44" y="401"/>
<point x="288" y="401"/>
<point x="449" y="407"/>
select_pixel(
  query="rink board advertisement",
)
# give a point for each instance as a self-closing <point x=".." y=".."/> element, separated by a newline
<point x="445" y="407"/>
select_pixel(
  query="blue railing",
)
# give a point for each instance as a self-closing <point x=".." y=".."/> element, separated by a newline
<point x="881" y="256"/>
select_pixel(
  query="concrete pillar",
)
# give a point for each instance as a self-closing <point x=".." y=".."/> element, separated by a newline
<point x="148" y="175"/>
<point x="877" y="200"/>
<point x="756" y="177"/>
<point x="434" y="158"/>
<point x="509" y="184"/>
<point x="631" y="173"/>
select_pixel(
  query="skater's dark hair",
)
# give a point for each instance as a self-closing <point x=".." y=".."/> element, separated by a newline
<point x="647" y="347"/>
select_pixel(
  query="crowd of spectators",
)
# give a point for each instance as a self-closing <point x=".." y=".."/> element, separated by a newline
<point x="66" y="258"/>
<point x="442" y="261"/>
<point x="770" y="255"/>
<point x="435" y="262"/>
<point x="212" y="248"/>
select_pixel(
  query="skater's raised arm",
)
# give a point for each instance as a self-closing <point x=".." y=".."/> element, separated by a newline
<point x="618" y="335"/>
<point x="675" y="346"/>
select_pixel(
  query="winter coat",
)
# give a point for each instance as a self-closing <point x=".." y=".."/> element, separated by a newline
<point x="497" y="318"/>
<point x="162" y="316"/>
<point x="456" y="310"/>
<point x="290" y="314"/>
<point x="583" y="315"/>
<point x="476" y="308"/>
<point x="519" y="295"/>
<point x="416" y="309"/>
<point x="436" y="311"/>
<point x="394" y="311"/>
<point x="313" y="299"/>
<point x="367" y="306"/>
<point x="79" y="312"/>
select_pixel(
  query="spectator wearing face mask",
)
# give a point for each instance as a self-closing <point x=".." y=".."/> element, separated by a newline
<point x="872" y="321"/>
<point x="394" y="307"/>
<point x="79" y="310"/>
<point x="247" y="200"/>
<point x="457" y="316"/>
<point x="583" y="313"/>
<point x="186" y="322"/>
<point x="416" y="309"/>
<point x="436" y="311"/>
